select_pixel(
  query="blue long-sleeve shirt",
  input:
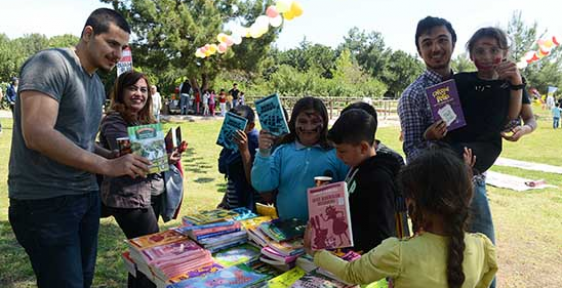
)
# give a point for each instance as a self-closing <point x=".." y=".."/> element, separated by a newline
<point x="291" y="170"/>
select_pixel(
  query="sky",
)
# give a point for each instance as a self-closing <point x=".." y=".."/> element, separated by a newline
<point x="323" y="21"/>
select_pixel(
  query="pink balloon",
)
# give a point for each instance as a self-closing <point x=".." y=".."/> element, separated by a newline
<point x="271" y="12"/>
<point x="222" y="47"/>
<point x="229" y="40"/>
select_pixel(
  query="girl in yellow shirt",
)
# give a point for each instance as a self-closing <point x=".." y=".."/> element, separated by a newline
<point x="438" y="188"/>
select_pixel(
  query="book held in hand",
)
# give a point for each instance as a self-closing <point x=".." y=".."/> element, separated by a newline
<point x="329" y="216"/>
<point x="445" y="104"/>
<point x="148" y="142"/>
<point x="231" y="124"/>
<point x="173" y="140"/>
<point x="271" y="115"/>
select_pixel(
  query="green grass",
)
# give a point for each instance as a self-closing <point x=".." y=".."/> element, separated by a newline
<point x="528" y="224"/>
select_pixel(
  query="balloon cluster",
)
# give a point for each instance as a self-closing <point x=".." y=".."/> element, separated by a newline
<point x="283" y="10"/>
<point x="544" y="45"/>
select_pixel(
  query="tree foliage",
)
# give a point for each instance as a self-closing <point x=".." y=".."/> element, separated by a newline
<point x="167" y="33"/>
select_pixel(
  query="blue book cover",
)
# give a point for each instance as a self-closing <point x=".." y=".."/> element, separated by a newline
<point x="270" y="113"/>
<point x="233" y="277"/>
<point x="232" y="122"/>
<point x="243" y="254"/>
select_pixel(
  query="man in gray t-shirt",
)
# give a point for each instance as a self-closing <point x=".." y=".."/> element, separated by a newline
<point x="54" y="198"/>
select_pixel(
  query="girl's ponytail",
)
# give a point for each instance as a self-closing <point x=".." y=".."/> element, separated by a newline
<point x="454" y="225"/>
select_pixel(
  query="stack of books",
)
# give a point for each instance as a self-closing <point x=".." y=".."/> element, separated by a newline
<point x="165" y="255"/>
<point x="214" y="230"/>
<point x="282" y="242"/>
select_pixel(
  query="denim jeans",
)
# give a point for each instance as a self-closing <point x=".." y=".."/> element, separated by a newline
<point x="185" y="106"/>
<point x="555" y="122"/>
<point x="60" y="236"/>
<point x="481" y="215"/>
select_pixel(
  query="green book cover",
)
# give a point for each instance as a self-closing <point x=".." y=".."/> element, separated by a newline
<point x="148" y="142"/>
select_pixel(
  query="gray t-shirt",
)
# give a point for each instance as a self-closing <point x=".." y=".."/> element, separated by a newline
<point x="58" y="74"/>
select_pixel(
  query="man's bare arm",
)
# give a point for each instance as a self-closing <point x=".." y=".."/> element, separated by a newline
<point x="39" y="113"/>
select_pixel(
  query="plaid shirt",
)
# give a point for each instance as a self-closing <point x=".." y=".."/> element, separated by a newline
<point x="415" y="114"/>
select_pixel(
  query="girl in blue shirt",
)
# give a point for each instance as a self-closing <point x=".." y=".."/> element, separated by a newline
<point x="303" y="154"/>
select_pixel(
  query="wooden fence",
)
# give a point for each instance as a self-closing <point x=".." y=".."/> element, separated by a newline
<point x="386" y="109"/>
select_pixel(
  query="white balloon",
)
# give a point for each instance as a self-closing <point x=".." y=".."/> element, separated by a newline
<point x="236" y="39"/>
<point x="276" y="21"/>
<point x="255" y="31"/>
<point x="262" y="20"/>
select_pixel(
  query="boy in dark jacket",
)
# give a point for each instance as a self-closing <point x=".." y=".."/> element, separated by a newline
<point x="237" y="164"/>
<point x="371" y="185"/>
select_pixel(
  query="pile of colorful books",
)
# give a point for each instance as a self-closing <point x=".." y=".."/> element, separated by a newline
<point x="273" y="256"/>
<point x="165" y="255"/>
<point x="214" y="229"/>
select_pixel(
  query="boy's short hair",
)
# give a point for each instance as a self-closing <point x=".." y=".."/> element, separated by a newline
<point x="353" y="127"/>
<point x="244" y="111"/>
<point x="365" y="107"/>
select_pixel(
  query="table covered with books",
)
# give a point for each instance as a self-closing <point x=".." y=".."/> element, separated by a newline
<point x="231" y="248"/>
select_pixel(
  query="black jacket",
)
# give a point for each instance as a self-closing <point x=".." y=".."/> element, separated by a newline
<point x="372" y="197"/>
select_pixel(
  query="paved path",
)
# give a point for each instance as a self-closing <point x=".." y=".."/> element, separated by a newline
<point x="528" y="165"/>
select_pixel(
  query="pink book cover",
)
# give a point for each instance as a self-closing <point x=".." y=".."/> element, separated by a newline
<point x="170" y="251"/>
<point x="156" y="239"/>
<point x="329" y="216"/>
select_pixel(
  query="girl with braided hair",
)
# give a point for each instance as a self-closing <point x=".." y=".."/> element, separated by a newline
<point x="438" y="190"/>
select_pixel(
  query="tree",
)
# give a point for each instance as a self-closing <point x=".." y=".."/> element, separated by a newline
<point x="523" y="36"/>
<point x="66" y="40"/>
<point x="168" y="32"/>
<point x="369" y="50"/>
<point x="462" y="63"/>
<point x="401" y="70"/>
<point x="542" y="73"/>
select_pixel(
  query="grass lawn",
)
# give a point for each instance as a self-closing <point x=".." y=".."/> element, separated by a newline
<point x="528" y="224"/>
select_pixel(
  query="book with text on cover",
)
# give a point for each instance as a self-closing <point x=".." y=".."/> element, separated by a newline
<point x="271" y="115"/>
<point x="329" y="216"/>
<point x="148" y="142"/>
<point x="230" y="125"/>
<point x="445" y="104"/>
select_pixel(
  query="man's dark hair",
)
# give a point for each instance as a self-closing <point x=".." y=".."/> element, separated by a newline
<point x="353" y="127"/>
<point x="426" y="24"/>
<point x="365" y="107"/>
<point x="101" y="19"/>
<point x="244" y="111"/>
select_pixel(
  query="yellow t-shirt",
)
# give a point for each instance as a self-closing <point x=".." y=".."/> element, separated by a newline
<point x="420" y="261"/>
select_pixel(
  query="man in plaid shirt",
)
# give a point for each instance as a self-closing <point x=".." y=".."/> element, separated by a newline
<point x="435" y="41"/>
